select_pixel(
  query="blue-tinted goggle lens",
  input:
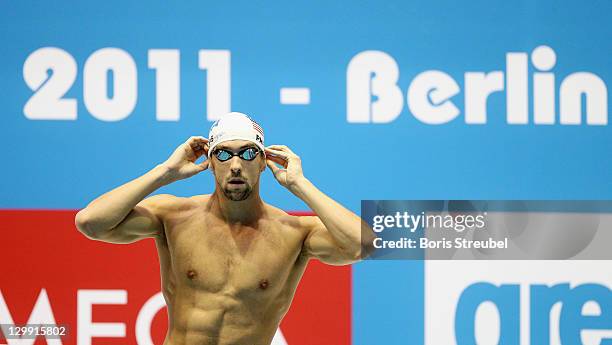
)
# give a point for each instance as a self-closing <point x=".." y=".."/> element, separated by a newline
<point x="247" y="154"/>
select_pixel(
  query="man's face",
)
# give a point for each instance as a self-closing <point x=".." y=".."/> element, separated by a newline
<point x="236" y="177"/>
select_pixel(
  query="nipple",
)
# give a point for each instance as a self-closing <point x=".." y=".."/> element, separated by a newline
<point x="263" y="284"/>
<point x="191" y="274"/>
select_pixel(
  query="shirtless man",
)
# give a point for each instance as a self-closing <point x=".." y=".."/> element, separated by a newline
<point x="230" y="263"/>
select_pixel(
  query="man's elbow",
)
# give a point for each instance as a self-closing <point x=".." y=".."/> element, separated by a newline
<point x="364" y="251"/>
<point x="368" y="237"/>
<point x="361" y="252"/>
<point x="367" y="249"/>
<point x="84" y="224"/>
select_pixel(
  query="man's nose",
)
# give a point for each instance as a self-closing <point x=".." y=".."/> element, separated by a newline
<point x="235" y="165"/>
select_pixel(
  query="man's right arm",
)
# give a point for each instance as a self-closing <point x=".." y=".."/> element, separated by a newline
<point x="122" y="216"/>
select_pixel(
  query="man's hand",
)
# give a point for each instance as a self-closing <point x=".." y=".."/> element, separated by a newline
<point x="181" y="164"/>
<point x="292" y="174"/>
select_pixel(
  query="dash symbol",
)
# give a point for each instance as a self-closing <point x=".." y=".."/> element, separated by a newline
<point x="295" y="95"/>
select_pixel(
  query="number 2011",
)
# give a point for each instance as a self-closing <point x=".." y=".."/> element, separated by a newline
<point x="48" y="101"/>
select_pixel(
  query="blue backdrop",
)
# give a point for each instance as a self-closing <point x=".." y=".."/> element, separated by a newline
<point x="63" y="164"/>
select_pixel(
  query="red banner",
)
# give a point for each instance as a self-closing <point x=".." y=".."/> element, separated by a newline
<point x="53" y="274"/>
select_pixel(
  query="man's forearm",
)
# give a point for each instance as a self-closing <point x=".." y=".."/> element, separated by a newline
<point x="344" y="225"/>
<point x="109" y="209"/>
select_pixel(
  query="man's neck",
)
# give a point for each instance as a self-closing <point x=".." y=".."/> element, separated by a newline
<point x="246" y="211"/>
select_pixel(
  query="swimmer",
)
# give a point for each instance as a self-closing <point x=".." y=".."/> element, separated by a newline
<point x="230" y="263"/>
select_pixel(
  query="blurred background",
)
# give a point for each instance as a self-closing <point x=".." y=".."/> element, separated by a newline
<point x="417" y="100"/>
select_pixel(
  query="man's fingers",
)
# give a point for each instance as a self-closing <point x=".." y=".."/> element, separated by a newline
<point x="272" y="166"/>
<point x="277" y="152"/>
<point x="277" y="157"/>
<point x="278" y="160"/>
<point x="283" y="148"/>
<point x="198" y="145"/>
<point x="286" y="148"/>
<point x="197" y="153"/>
<point x="282" y="151"/>
<point x="276" y="171"/>
<point x="279" y="147"/>
<point x="204" y="164"/>
<point x="197" y="141"/>
<point x="279" y="174"/>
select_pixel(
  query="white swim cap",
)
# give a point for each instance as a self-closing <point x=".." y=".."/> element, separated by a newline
<point x="235" y="126"/>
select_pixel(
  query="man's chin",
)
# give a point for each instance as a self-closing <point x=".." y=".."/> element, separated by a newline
<point x="237" y="194"/>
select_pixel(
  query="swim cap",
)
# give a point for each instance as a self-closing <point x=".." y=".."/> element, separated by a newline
<point x="235" y="126"/>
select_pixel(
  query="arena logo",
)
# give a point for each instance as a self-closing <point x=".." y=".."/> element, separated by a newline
<point x="518" y="302"/>
<point x="557" y="314"/>
<point x="373" y="95"/>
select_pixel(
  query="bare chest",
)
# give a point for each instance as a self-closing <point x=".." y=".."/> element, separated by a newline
<point x="239" y="261"/>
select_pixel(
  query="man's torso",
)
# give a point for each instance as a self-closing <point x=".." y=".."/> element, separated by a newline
<point x="227" y="285"/>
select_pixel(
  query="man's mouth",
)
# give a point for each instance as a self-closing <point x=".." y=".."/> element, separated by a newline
<point x="236" y="181"/>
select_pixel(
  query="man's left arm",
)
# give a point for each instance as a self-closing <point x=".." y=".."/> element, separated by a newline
<point x="336" y="235"/>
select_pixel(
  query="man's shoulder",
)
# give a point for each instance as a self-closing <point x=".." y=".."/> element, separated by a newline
<point x="299" y="220"/>
<point x="275" y="213"/>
